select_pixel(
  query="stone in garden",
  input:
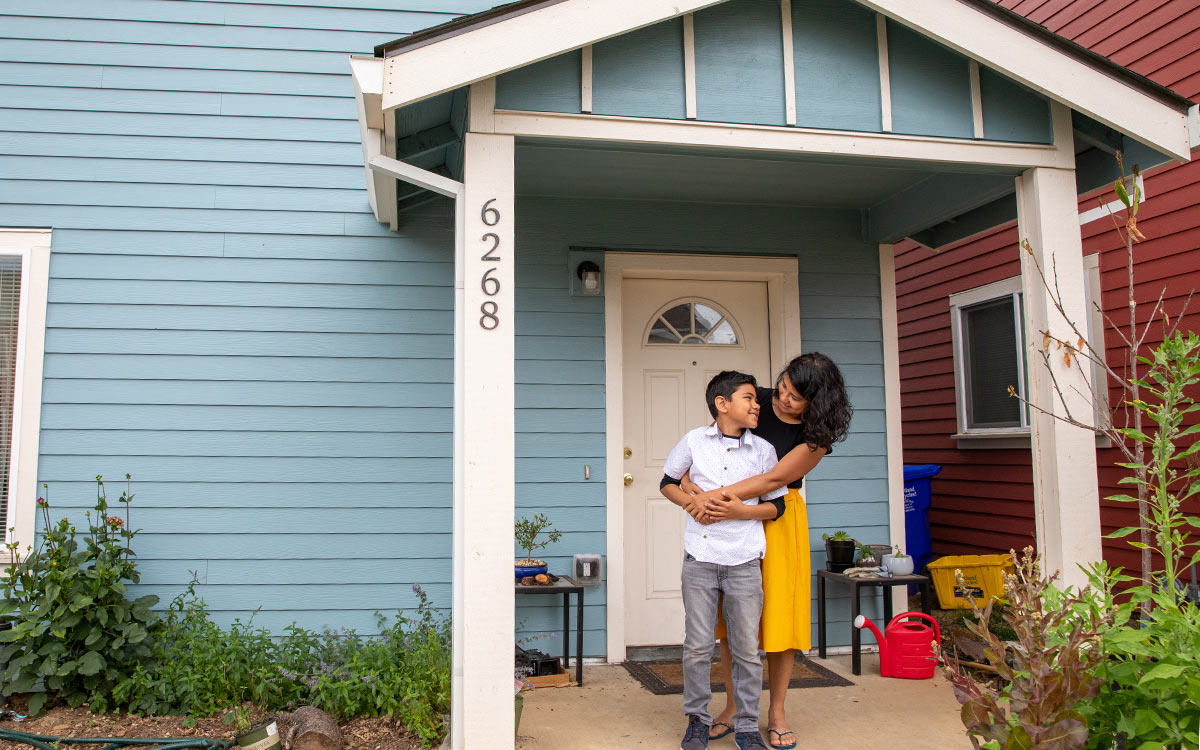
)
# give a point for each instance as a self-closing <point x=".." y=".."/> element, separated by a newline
<point x="311" y="728"/>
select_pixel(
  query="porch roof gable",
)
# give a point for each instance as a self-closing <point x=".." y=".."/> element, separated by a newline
<point x="486" y="44"/>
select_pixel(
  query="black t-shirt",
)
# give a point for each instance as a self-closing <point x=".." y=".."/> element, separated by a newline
<point x="782" y="435"/>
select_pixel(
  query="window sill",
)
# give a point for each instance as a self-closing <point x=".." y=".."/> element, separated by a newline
<point x="998" y="439"/>
<point x="1006" y="440"/>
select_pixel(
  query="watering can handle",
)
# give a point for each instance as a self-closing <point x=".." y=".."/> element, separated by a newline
<point x="937" y="630"/>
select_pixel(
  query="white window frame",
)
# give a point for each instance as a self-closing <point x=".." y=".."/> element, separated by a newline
<point x="33" y="247"/>
<point x="1018" y="437"/>
<point x="1010" y="287"/>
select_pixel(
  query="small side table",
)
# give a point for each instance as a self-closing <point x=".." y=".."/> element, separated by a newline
<point x="566" y="586"/>
<point x="883" y="584"/>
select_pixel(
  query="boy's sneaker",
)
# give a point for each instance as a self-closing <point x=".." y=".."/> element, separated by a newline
<point x="749" y="741"/>
<point x="696" y="736"/>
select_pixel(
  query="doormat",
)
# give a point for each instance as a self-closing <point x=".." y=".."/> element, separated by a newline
<point x="666" y="677"/>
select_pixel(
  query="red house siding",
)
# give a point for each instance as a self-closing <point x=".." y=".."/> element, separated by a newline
<point x="983" y="498"/>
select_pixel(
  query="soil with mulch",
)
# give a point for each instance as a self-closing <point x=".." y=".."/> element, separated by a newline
<point x="383" y="733"/>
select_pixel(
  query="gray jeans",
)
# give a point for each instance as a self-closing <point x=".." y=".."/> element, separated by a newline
<point x="742" y="586"/>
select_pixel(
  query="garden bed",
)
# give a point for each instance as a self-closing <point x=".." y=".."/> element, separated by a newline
<point x="385" y="733"/>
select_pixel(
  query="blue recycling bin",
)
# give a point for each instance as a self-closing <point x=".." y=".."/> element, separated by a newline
<point x="918" y="496"/>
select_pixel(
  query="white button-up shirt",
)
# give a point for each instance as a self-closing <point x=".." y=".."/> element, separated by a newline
<point x="715" y="460"/>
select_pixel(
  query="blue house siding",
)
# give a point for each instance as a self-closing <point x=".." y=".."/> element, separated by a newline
<point x="840" y="312"/>
<point x="227" y="321"/>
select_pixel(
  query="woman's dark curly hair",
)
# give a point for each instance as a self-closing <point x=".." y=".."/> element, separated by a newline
<point x="818" y="380"/>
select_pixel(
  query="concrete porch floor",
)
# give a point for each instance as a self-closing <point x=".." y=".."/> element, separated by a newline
<point x="613" y="710"/>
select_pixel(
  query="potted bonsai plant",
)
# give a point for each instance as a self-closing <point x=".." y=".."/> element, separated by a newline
<point x="527" y="531"/>
<point x="899" y="564"/>
<point x="839" y="551"/>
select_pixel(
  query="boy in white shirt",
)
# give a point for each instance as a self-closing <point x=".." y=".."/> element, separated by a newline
<point x="723" y="557"/>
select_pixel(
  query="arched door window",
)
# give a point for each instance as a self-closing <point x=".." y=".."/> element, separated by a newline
<point x="693" y="322"/>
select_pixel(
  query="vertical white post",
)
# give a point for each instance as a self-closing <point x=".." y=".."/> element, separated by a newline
<point x="891" y="400"/>
<point x="484" y="433"/>
<point x="789" y="63"/>
<point x="885" y="74"/>
<point x="689" y="67"/>
<point x="1065" y="491"/>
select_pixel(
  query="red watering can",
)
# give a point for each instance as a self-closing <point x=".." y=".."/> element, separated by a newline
<point x="907" y="651"/>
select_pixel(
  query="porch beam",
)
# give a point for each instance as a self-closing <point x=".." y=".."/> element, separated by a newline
<point x="487" y="51"/>
<point x="416" y="176"/>
<point x="425" y="142"/>
<point x="939" y="198"/>
<point x="889" y="319"/>
<point x="1065" y="489"/>
<point x="778" y="139"/>
<point x="484" y="464"/>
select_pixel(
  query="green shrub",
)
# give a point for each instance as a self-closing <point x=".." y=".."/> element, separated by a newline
<point x="199" y="668"/>
<point x="72" y="627"/>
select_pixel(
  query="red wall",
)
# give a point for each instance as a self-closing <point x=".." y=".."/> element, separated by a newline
<point x="983" y="499"/>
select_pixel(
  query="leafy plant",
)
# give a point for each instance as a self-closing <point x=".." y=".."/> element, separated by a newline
<point x="1151" y="671"/>
<point x="72" y="626"/>
<point x="527" y="531"/>
<point x="838" y="536"/>
<point x="899" y="555"/>
<point x="1046" y="671"/>
<point x="200" y="668"/>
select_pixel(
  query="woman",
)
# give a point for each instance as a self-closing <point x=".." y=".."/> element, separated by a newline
<point x="809" y="413"/>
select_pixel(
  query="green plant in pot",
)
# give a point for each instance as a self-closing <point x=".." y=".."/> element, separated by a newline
<point x="899" y="564"/>
<point x="866" y="556"/>
<point x="527" y="532"/>
<point x="839" y="551"/>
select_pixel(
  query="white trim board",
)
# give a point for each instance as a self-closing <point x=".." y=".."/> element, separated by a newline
<point x="484" y="52"/>
<point x="614" y="129"/>
<point x="33" y="247"/>
<point x="520" y="40"/>
<point x="783" y="311"/>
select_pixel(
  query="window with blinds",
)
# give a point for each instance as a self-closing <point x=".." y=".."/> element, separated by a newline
<point x="10" y="310"/>
<point x="991" y="333"/>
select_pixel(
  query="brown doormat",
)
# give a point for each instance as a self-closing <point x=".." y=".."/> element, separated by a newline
<point x="666" y="677"/>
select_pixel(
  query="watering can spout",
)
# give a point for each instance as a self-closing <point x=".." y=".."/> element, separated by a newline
<point x="860" y="622"/>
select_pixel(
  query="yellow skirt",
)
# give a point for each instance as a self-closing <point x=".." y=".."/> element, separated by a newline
<point x="787" y="581"/>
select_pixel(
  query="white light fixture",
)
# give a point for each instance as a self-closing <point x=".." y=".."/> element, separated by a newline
<point x="589" y="276"/>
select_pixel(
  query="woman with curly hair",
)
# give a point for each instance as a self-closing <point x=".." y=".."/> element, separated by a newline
<point x="809" y="413"/>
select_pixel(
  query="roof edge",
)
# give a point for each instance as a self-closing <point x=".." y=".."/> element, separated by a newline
<point x="1011" y="18"/>
<point x="461" y="25"/>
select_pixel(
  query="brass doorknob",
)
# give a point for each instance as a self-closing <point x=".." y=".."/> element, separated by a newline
<point x="628" y="479"/>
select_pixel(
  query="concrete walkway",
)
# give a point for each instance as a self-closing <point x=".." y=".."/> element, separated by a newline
<point x="613" y="710"/>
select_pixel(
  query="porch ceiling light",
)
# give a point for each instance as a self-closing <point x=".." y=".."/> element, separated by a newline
<point x="589" y="274"/>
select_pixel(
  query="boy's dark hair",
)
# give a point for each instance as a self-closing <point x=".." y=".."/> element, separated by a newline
<point x="818" y="380"/>
<point x="724" y="384"/>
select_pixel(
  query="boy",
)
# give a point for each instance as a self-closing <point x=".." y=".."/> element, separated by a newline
<point x="723" y="557"/>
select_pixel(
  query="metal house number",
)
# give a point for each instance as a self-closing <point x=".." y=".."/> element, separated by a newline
<point x="490" y="319"/>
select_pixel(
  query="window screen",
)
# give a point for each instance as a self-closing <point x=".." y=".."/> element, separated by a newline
<point x="10" y="303"/>
<point x="992" y="363"/>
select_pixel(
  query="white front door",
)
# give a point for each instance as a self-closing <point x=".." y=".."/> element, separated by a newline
<point x="677" y="335"/>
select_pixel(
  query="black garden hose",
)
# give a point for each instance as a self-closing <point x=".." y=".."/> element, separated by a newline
<point x="48" y="742"/>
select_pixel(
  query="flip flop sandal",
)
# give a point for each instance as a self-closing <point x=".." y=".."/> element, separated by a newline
<point x="726" y="733"/>
<point x="779" y="736"/>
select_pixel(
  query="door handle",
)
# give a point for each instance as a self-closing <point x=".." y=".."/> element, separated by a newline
<point x="628" y="479"/>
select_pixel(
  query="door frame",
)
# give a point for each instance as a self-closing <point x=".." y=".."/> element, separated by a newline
<point x="782" y="276"/>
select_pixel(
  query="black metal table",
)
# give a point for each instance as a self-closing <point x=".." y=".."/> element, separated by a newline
<point x="883" y="584"/>
<point x="566" y="586"/>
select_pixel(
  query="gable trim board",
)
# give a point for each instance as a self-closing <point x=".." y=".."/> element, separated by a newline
<point x="783" y="309"/>
<point x="531" y="32"/>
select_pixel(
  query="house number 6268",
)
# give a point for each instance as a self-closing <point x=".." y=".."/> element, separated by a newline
<point x="490" y="320"/>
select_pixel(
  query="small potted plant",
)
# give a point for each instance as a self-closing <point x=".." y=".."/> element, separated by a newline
<point x="866" y="556"/>
<point x="899" y="563"/>
<point x="527" y="531"/>
<point x="839" y="551"/>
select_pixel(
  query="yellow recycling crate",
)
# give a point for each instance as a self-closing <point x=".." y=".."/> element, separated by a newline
<point x="982" y="579"/>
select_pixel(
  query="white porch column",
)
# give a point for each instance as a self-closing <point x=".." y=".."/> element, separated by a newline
<point x="891" y="400"/>
<point x="482" y="700"/>
<point x="1066" y="495"/>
